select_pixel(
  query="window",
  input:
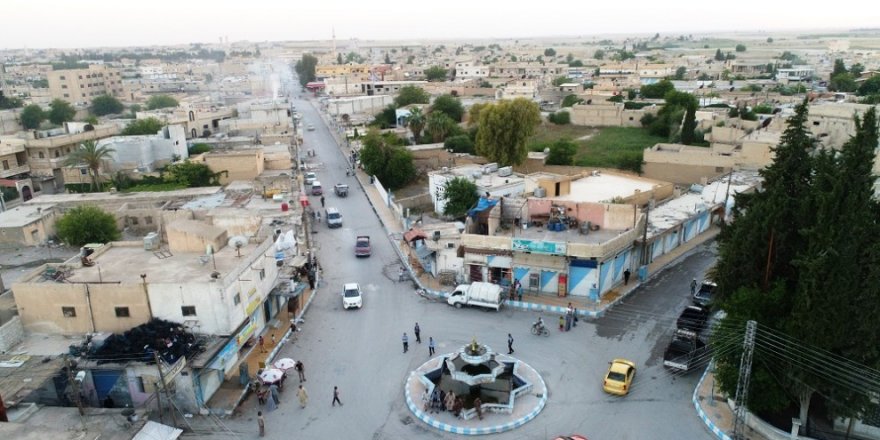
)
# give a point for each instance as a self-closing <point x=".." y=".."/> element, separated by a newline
<point x="122" y="312"/>
<point x="236" y="300"/>
<point x="5" y="164"/>
<point x="42" y="156"/>
<point x="62" y="77"/>
<point x="139" y="383"/>
<point x="83" y="171"/>
<point x="188" y="310"/>
<point x="63" y="86"/>
<point x="148" y="220"/>
<point x="66" y="95"/>
<point x="69" y="312"/>
<point x="57" y="153"/>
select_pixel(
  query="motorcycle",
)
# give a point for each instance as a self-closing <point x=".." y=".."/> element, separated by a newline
<point x="539" y="329"/>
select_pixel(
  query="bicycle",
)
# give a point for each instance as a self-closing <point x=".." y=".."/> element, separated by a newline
<point x="540" y="330"/>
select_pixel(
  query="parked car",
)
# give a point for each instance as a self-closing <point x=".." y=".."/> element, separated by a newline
<point x="693" y="318"/>
<point x="619" y="378"/>
<point x="362" y="246"/>
<point x="351" y="296"/>
<point x="311" y="127"/>
<point x="311" y="178"/>
<point x="341" y="189"/>
<point x="334" y="218"/>
<point x="317" y="190"/>
<point x="685" y="352"/>
<point x="704" y="295"/>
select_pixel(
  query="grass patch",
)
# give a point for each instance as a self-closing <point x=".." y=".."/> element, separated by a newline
<point x="608" y="147"/>
<point x="155" y="187"/>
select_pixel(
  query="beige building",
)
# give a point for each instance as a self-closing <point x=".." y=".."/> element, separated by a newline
<point x="47" y="151"/>
<point x="27" y="225"/>
<point x="13" y="157"/>
<point x="80" y="86"/>
<point x="238" y="164"/>
<point x="601" y="113"/>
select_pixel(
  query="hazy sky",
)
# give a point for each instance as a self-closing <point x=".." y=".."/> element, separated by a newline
<point x="89" y="23"/>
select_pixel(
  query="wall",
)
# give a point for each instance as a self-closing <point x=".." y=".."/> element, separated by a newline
<point x="194" y="236"/>
<point x="11" y="333"/>
<point x="681" y="174"/>
<point x="602" y="115"/>
<point x="39" y="305"/>
<point x="32" y="234"/>
<point x="235" y="221"/>
<point x="106" y="297"/>
<point x="240" y="165"/>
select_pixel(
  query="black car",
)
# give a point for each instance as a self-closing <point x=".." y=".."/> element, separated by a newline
<point x="693" y="318"/>
<point x="704" y="296"/>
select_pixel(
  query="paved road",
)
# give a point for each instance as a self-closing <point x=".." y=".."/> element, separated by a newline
<point x="360" y="350"/>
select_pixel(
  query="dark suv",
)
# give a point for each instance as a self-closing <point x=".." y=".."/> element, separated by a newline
<point x="704" y="296"/>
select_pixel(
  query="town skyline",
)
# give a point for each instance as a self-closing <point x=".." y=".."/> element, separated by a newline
<point x="169" y="23"/>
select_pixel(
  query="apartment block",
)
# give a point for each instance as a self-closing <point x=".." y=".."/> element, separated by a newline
<point x="80" y="86"/>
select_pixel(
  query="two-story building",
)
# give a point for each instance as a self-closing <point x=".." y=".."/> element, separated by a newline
<point x="48" y="150"/>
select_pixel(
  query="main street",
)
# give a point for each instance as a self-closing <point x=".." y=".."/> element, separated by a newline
<point x="360" y="350"/>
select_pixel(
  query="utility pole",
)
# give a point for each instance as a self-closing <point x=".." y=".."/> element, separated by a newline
<point x="742" y="385"/>
<point x="726" y="197"/>
<point x="645" y="258"/>
<point x="164" y="386"/>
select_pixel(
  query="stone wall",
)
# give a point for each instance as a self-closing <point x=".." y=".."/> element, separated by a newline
<point x="11" y="333"/>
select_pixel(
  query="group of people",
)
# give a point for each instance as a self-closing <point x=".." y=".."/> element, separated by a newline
<point x="569" y="319"/>
<point x="439" y="401"/>
<point x="516" y="292"/>
<point x="417" y="331"/>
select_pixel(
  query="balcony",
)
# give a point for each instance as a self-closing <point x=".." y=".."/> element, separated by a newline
<point x="14" y="171"/>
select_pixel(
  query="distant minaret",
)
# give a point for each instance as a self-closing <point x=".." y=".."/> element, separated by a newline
<point x="334" y="43"/>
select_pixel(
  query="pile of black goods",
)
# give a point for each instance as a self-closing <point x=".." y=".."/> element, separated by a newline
<point x="168" y="339"/>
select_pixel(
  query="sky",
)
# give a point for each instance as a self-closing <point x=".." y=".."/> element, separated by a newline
<point x="92" y="23"/>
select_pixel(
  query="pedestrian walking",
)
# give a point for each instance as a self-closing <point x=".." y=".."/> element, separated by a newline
<point x="418" y="333"/>
<point x="270" y="403"/>
<point x="405" y="341"/>
<point x="561" y="323"/>
<point x="626" y="275"/>
<point x="336" y="396"/>
<point x="431" y="346"/>
<point x="300" y="370"/>
<point x="693" y="286"/>
<point x="303" y="396"/>
<point x="509" y="344"/>
<point x="273" y="391"/>
<point x="261" y="422"/>
<point x="274" y="342"/>
<point x="322" y="201"/>
<point x="262" y="344"/>
<point x="518" y="289"/>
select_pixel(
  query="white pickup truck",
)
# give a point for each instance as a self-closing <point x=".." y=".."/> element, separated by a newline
<point x="477" y="294"/>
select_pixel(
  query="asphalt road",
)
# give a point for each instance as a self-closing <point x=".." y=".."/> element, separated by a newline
<point x="360" y="350"/>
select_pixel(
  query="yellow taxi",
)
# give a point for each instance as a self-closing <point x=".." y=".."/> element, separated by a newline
<point x="619" y="378"/>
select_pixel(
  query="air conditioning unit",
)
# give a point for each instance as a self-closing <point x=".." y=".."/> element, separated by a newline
<point x="504" y="172"/>
<point x="490" y="168"/>
<point x="151" y="241"/>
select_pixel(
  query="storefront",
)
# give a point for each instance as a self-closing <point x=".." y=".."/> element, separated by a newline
<point x="541" y="266"/>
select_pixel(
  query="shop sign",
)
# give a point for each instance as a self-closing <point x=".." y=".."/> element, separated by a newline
<point x="538" y="246"/>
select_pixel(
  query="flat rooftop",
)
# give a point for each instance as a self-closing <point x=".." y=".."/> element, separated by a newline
<point x="108" y="196"/>
<point x="487" y="181"/>
<point x="675" y="211"/>
<point x="605" y="187"/>
<point x="23" y="215"/>
<point x="125" y="264"/>
<point x="568" y="235"/>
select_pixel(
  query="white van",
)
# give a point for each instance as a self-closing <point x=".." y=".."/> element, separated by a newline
<point x="334" y="218"/>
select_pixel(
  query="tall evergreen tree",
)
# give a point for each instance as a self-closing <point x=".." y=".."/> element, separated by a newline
<point x="690" y="125"/>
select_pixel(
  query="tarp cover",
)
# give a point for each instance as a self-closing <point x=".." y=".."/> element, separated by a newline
<point x="157" y="431"/>
<point x="482" y="205"/>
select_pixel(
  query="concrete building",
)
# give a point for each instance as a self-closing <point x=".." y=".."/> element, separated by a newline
<point x="80" y="86"/>
<point x="13" y="158"/>
<point x="47" y="150"/>
<point x="488" y="178"/>
<point x="27" y="225"/>
<point x="471" y="69"/>
<point x="601" y="113"/>
<point x="364" y="105"/>
<point x="144" y="153"/>
<point x="236" y="164"/>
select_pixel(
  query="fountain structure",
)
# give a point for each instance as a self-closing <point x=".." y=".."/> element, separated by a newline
<point x="511" y="392"/>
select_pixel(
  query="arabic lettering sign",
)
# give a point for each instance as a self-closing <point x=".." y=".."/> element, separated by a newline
<point x="538" y="246"/>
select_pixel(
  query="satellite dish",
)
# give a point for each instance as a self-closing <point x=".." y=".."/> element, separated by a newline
<point x="238" y="241"/>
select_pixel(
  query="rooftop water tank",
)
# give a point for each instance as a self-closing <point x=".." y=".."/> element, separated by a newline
<point x="151" y="241"/>
<point x="505" y="171"/>
<point x="540" y="192"/>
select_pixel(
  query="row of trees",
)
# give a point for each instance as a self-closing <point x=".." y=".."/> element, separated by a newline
<point x="61" y="111"/>
<point x="33" y="115"/>
<point x="668" y="121"/>
<point x="803" y="259"/>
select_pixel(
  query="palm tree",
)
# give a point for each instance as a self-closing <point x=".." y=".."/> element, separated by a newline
<point x="440" y="126"/>
<point x="90" y="155"/>
<point x="416" y="123"/>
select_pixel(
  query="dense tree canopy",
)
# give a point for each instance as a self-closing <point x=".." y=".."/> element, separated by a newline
<point x="32" y="116"/>
<point x="384" y="156"/>
<point x="143" y="126"/>
<point x="460" y="195"/>
<point x="411" y="95"/>
<point x="562" y="152"/>
<point x="87" y="224"/>
<point x="460" y="143"/>
<point x="440" y="126"/>
<point x="416" y="122"/>
<point x="106" y="105"/>
<point x="191" y="174"/>
<point x="305" y="69"/>
<point x="504" y="128"/>
<point x="801" y="259"/>
<point x="657" y="90"/>
<point x="161" y="101"/>
<point x="9" y="102"/>
<point x="61" y="111"/>
<point x="435" y="73"/>
<point x="449" y="105"/>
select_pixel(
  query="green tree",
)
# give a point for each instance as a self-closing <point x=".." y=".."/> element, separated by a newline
<point x="60" y="111"/>
<point x="87" y="224"/>
<point x="690" y="123"/>
<point x="386" y="118"/>
<point x="560" y="80"/>
<point x="718" y="55"/>
<point x="134" y="108"/>
<point x="440" y="126"/>
<point x="680" y="73"/>
<point x="8" y="103"/>
<point x="106" y="105"/>
<point x="91" y="119"/>
<point x="161" y="101"/>
<point x="435" y="73"/>
<point x="839" y="68"/>
<point x="199" y="149"/>
<point x="382" y="156"/>
<point x="843" y="82"/>
<point x="576" y="63"/>
<point x="474" y="113"/>
<point x="411" y="95"/>
<point x="856" y="70"/>
<point x="449" y="105"/>
<point x="387" y="58"/>
<point x="756" y="271"/>
<point x="871" y="86"/>
<point x="416" y="123"/>
<point x="769" y="40"/>
<point x="90" y="155"/>
<point x="142" y="127"/>
<point x="460" y="195"/>
<point x="657" y="90"/>
<point x="504" y="128"/>
<point x="549" y="52"/>
<point x="560" y="118"/>
<point x="599" y="54"/>
<point x="191" y="174"/>
<point x="740" y="47"/>
<point x="305" y="69"/>
<point x="562" y="152"/>
<point x="32" y="116"/>
<point x="460" y="143"/>
<point x="571" y="100"/>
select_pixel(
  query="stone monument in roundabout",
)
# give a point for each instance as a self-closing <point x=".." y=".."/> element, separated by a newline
<point x="510" y="391"/>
